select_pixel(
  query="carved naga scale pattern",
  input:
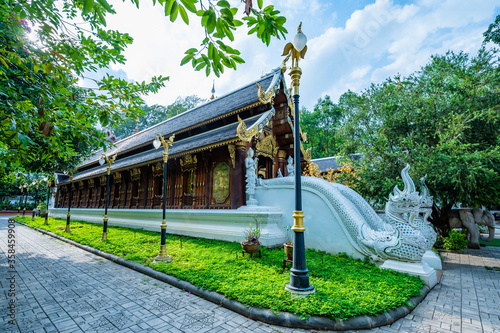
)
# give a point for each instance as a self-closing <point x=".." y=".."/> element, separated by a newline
<point x="404" y="235"/>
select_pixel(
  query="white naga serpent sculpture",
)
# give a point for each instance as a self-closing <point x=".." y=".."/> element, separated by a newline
<point x="380" y="240"/>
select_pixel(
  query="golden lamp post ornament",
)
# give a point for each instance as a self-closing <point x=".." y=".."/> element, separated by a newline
<point x="162" y="256"/>
<point x="299" y="277"/>
<point x="110" y="161"/>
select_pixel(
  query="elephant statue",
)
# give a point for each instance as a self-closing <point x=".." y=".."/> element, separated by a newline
<point x="468" y="218"/>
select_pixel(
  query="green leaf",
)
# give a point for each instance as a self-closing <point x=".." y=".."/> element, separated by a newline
<point x="186" y="59"/>
<point x="211" y="50"/>
<point x="237" y="59"/>
<point x="191" y="50"/>
<point x="168" y="7"/>
<point x="87" y="7"/>
<point x="174" y="12"/>
<point x="211" y="23"/>
<point x="260" y="3"/>
<point x="106" y="5"/>
<point x="189" y="5"/>
<point x="184" y="15"/>
<point x="223" y="3"/>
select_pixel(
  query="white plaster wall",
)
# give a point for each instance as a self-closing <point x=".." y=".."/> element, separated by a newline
<point x="324" y="228"/>
<point x="225" y="225"/>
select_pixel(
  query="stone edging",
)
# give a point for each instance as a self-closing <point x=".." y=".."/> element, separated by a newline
<point x="265" y="315"/>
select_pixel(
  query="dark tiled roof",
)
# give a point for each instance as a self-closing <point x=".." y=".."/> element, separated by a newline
<point x="197" y="142"/>
<point x="235" y="100"/>
<point x="326" y="163"/>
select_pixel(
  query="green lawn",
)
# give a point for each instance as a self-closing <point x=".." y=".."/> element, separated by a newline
<point x="345" y="287"/>
<point x="495" y="242"/>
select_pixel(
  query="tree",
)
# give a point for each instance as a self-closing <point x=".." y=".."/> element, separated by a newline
<point x="493" y="32"/>
<point x="157" y="113"/>
<point x="48" y="122"/>
<point x="443" y="120"/>
<point x="322" y="125"/>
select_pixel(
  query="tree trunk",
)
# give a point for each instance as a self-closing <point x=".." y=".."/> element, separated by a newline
<point x="440" y="218"/>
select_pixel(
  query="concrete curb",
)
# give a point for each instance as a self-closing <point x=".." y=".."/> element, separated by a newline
<point x="264" y="315"/>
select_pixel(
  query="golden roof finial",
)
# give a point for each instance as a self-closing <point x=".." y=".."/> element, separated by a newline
<point x="290" y="49"/>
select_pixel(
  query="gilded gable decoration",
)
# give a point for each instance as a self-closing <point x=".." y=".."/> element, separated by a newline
<point x="135" y="173"/>
<point x="232" y="153"/>
<point x="263" y="97"/>
<point x="306" y="153"/>
<point x="247" y="134"/>
<point x="267" y="147"/>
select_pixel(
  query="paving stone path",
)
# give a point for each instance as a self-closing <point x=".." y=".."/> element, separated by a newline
<point x="61" y="288"/>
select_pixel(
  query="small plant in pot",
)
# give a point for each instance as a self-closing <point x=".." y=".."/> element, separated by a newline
<point x="288" y="245"/>
<point x="251" y="242"/>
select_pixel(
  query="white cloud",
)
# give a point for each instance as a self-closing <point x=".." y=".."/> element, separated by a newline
<point x="384" y="39"/>
<point x="373" y="43"/>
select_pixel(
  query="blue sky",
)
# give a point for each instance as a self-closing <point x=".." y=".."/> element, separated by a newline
<point x="351" y="44"/>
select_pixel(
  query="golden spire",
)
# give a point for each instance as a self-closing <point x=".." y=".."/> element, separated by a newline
<point x="213" y="90"/>
<point x="136" y="126"/>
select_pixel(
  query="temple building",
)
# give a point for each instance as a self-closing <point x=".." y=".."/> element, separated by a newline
<point x="206" y="164"/>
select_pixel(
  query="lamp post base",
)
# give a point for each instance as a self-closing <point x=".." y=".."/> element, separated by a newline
<point x="104" y="237"/>
<point x="46" y="222"/>
<point x="67" y="229"/>
<point x="162" y="256"/>
<point x="300" y="292"/>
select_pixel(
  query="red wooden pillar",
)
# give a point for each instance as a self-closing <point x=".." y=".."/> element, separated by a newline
<point x="282" y="162"/>
<point x="238" y="194"/>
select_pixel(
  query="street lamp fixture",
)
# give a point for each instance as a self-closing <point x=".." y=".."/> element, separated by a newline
<point x="110" y="161"/>
<point x="162" y="256"/>
<point x="299" y="277"/>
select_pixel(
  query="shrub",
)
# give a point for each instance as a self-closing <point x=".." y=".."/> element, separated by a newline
<point x="455" y="241"/>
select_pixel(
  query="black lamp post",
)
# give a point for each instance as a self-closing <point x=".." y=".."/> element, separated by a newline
<point x="162" y="256"/>
<point x="110" y="161"/>
<point x="35" y="183"/>
<point x="68" y="216"/>
<point x="20" y="200"/>
<point x="25" y="199"/>
<point x="48" y="200"/>
<point x="299" y="277"/>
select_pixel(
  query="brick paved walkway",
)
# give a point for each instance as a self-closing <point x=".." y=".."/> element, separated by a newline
<point x="60" y="288"/>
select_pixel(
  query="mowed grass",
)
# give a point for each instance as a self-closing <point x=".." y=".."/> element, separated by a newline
<point x="345" y="287"/>
<point x="494" y="242"/>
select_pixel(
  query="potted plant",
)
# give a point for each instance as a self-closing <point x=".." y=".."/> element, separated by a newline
<point x="251" y="243"/>
<point x="288" y="245"/>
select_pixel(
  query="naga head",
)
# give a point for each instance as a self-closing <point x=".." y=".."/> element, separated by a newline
<point x="408" y="200"/>
<point x="426" y="199"/>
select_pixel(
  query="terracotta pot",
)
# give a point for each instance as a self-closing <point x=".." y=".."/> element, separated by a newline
<point x="252" y="247"/>
<point x="288" y="251"/>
